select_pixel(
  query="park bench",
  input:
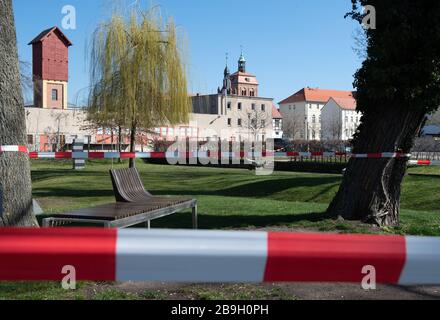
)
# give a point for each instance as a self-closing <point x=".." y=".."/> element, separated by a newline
<point x="134" y="205"/>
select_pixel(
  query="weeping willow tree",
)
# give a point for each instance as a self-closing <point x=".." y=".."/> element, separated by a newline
<point x="138" y="79"/>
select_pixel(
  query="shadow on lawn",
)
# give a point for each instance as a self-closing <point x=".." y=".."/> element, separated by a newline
<point x="183" y="220"/>
<point x="38" y="175"/>
<point x="258" y="189"/>
<point x="71" y="193"/>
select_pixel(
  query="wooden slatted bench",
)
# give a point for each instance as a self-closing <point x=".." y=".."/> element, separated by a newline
<point x="134" y="206"/>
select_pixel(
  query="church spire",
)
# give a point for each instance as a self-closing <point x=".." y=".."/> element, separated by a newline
<point x="242" y="62"/>
<point x="226" y="73"/>
<point x="226" y="79"/>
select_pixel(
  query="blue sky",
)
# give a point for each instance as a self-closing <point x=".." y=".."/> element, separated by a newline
<point x="288" y="44"/>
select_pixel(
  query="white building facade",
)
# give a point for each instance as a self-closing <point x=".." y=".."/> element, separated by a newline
<point x="340" y="120"/>
<point x="302" y="112"/>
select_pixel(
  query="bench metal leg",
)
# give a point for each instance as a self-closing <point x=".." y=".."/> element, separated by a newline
<point x="148" y="224"/>
<point x="47" y="222"/>
<point x="194" y="218"/>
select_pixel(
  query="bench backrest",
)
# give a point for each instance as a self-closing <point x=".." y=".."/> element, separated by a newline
<point x="128" y="186"/>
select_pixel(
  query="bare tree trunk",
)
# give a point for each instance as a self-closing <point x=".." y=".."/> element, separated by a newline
<point x="371" y="188"/>
<point x="15" y="178"/>
<point x="133" y="145"/>
<point x="119" y="142"/>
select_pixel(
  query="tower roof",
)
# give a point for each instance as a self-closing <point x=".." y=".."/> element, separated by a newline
<point x="46" y="32"/>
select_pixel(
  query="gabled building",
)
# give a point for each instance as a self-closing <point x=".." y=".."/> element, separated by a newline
<point x="340" y="119"/>
<point x="50" y="69"/>
<point x="302" y="112"/>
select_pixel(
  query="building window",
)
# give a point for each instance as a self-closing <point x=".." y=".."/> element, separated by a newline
<point x="253" y="106"/>
<point x="30" y="139"/>
<point x="314" y="119"/>
<point x="229" y="105"/>
<point x="263" y="123"/>
<point x="163" y="132"/>
<point x="54" y="95"/>
<point x="239" y="122"/>
<point x="263" y="107"/>
<point x="243" y="92"/>
<point x="239" y="106"/>
<point x="229" y="122"/>
<point x="170" y="132"/>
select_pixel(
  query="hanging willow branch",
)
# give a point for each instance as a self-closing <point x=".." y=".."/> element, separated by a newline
<point x="138" y="79"/>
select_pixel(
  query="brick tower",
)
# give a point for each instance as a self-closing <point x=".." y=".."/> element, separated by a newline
<point x="50" y="60"/>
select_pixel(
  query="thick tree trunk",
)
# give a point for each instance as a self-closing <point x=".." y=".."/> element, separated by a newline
<point x="15" y="179"/>
<point x="370" y="190"/>
<point x="133" y="145"/>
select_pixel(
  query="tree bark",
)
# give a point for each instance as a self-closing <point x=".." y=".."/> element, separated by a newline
<point x="132" y="145"/>
<point x="15" y="179"/>
<point x="371" y="188"/>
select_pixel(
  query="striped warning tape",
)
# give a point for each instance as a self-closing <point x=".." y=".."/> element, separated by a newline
<point x="425" y="162"/>
<point x="23" y="149"/>
<point x="200" y="154"/>
<point x="216" y="256"/>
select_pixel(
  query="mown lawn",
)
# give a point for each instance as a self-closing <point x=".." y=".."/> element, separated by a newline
<point x="228" y="199"/>
<point x="234" y="198"/>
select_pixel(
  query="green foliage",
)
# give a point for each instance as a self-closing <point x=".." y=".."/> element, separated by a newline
<point x="403" y="58"/>
<point x="138" y="79"/>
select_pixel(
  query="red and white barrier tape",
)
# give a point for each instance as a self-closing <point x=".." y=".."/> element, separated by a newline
<point x="425" y="162"/>
<point x="163" y="155"/>
<point x="215" y="256"/>
<point x="23" y="149"/>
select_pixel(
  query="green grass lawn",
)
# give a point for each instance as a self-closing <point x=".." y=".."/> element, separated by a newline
<point x="234" y="198"/>
<point x="228" y="199"/>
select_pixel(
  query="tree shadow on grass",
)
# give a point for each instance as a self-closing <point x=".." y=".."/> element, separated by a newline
<point x="38" y="176"/>
<point x="71" y="193"/>
<point x="183" y="221"/>
<point x="258" y="188"/>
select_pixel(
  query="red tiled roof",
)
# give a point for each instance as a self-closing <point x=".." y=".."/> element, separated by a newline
<point x="317" y="95"/>
<point x="275" y="113"/>
<point x="46" y="32"/>
<point x="346" y="104"/>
